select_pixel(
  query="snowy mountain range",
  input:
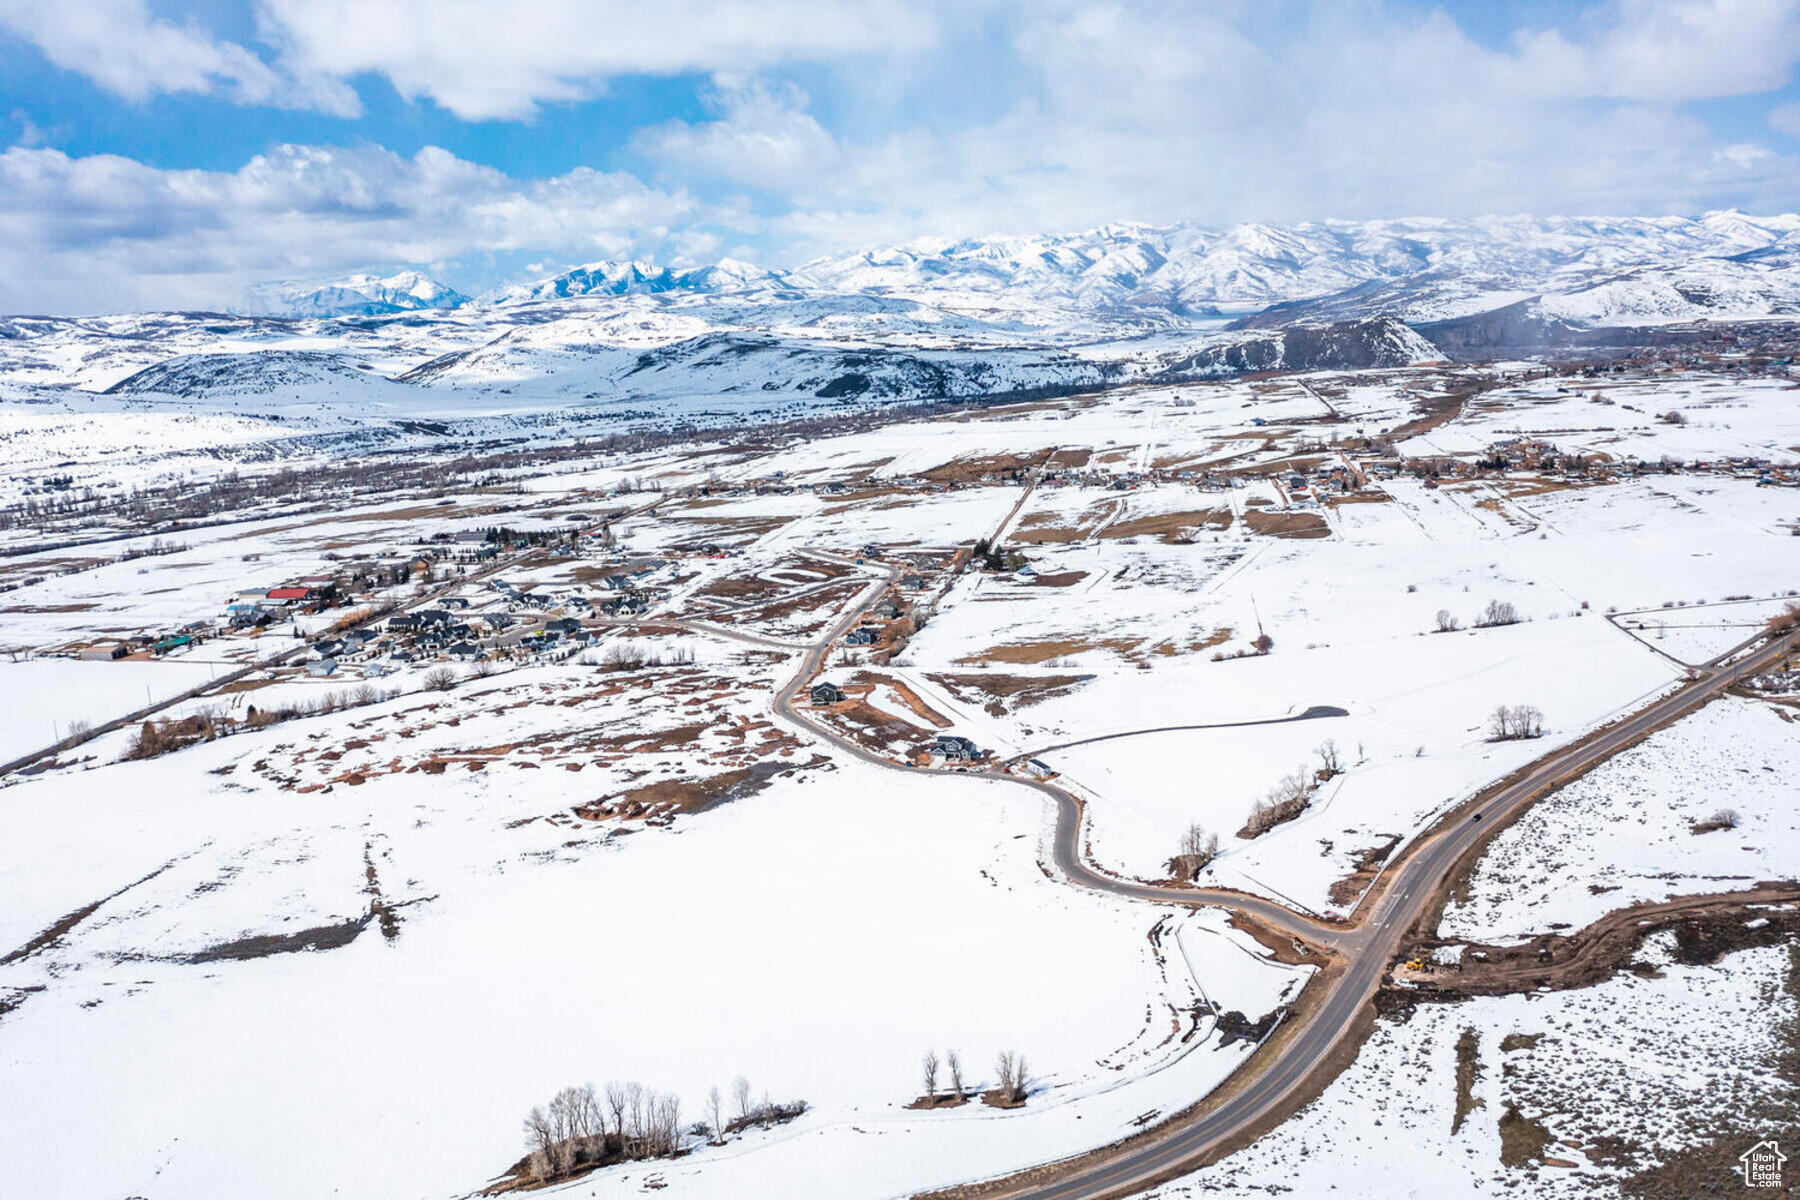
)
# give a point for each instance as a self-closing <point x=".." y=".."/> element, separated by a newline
<point x="1420" y="270"/>
<point x="357" y="296"/>
<point x="1596" y="269"/>
<point x="636" y="342"/>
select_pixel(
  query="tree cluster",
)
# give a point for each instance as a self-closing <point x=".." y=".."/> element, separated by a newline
<point x="630" y="656"/>
<point x="990" y="557"/>
<point x="155" y="738"/>
<point x="581" y="1128"/>
<point x="1291" y="796"/>
<point x="1011" y="1079"/>
<point x="1513" y="722"/>
<point x="944" y="1083"/>
<point x="1198" y="849"/>
<point x="1497" y="612"/>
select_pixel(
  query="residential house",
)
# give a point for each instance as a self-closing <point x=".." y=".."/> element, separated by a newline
<point x="957" y="749"/>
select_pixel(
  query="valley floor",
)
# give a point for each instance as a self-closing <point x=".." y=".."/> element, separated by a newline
<point x="334" y="929"/>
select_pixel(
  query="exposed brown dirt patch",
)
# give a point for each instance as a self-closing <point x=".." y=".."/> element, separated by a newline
<point x="1368" y="863"/>
<point x="1706" y="928"/>
<point x="1286" y="524"/>
<point x="1173" y="527"/>
<point x="1045" y="650"/>
<point x="868" y="681"/>
<point x="998" y="693"/>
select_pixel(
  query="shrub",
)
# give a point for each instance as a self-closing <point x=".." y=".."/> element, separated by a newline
<point x="1725" y="818"/>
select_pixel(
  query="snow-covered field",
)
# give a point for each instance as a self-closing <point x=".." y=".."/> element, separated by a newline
<point x="533" y="954"/>
<point x="1624" y="833"/>
<point x="346" y="953"/>
<point x="41" y="698"/>
<point x="1644" y="1067"/>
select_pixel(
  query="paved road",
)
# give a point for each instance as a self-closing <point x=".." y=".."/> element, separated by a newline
<point x="1364" y="945"/>
<point x="1380" y="925"/>
<point x="1315" y="713"/>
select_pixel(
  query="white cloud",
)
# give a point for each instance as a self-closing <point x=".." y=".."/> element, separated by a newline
<point x="764" y="137"/>
<point x="1668" y="50"/>
<point x="121" y="47"/>
<point x="109" y="232"/>
<point x="485" y="61"/>
<point x="1169" y="112"/>
<point x="996" y="115"/>
<point x="1745" y="156"/>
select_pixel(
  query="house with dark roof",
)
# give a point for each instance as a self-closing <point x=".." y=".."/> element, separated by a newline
<point x="957" y="749"/>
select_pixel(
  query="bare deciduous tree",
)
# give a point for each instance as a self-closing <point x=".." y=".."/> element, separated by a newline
<point x="1330" y="761"/>
<point x="636" y="1125"/>
<point x="953" y="1061"/>
<point x="1198" y="849"/>
<point x="666" y="1123"/>
<point x="715" y="1108"/>
<point x="540" y="1138"/>
<point x="439" y="679"/>
<point x="1285" y="801"/>
<point x="1012" y="1077"/>
<point x="1509" y="722"/>
<point x="617" y="1101"/>
<point x="1498" y="612"/>
<point x="740" y="1096"/>
<point x="1447" y="622"/>
<point x="929" y="1066"/>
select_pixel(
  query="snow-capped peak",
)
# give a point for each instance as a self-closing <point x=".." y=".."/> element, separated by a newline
<point x="612" y="278"/>
<point x="358" y="295"/>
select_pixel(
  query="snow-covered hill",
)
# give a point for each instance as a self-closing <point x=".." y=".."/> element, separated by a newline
<point x="638" y="342"/>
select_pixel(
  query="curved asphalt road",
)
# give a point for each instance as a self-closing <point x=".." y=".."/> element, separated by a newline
<point x="1316" y="712"/>
<point x="1366" y="944"/>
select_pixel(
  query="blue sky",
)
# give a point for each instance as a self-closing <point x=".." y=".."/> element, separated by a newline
<point x="171" y="154"/>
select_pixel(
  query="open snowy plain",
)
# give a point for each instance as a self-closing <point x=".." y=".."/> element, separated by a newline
<point x="334" y="928"/>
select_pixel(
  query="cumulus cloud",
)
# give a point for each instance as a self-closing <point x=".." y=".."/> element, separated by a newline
<point x="1172" y="112"/>
<point x="108" y="232"/>
<point x="487" y="61"/>
<point x="1664" y="50"/>
<point x="829" y="126"/>
<point x="763" y="137"/>
<point x="120" y="46"/>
